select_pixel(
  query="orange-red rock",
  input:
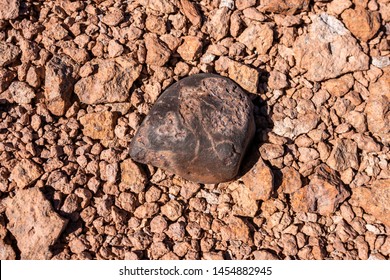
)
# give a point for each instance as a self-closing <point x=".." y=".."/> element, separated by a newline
<point x="374" y="199"/>
<point x="323" y="195"/>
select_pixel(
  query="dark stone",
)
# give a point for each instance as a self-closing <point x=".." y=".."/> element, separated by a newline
<point x="199" y="128"/>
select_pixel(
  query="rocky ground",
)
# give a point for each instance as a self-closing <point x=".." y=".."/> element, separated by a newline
<point x="78" y="77"/>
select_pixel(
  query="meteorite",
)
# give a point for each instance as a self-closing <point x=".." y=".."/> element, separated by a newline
<point x="199" y="128"/>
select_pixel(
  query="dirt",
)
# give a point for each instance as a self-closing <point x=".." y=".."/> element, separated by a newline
<point x="77" y="78"/>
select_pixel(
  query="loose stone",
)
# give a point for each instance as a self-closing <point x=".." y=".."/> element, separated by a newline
<point x="199" y="129"/>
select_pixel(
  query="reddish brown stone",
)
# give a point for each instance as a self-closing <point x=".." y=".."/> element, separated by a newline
<point x="283" y="6"/>
<point x="33" y="223"/>
<point x="191" y="12"/>
<point x="60" y="78"/>
<point x="375" y="200"/>
<point x="9" y="9"/>
<point x="199" y="129"/>
<point x="323" y="195"/>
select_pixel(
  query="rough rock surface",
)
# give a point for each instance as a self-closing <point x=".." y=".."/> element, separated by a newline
<point x="362" y="23"/>
<point x="60" y="78"/>
<point x="259" y="180"/>
<point x="191" y="12"/>
<point x="21" y="92"/>
<point x="245" y="76"/>
<point x="176" y="130"/>
<point x="245" y="204"/>
<point x="328" y="50"/>
<point x="25" y="173"/>
<point x="257" y="36"/>
<point x="34" y="224"/>
<point x="235" y="229"/>
<point x="6" y="78"/>
<point x="156" y="52"/>
<point x="218" y="26"/>
<point x="98" y="125"/>
<point x="132" y="175"/>
<point x="375" y="199"/>
<point x="291" y="180"/>
<point x="283" y="6"/>
<point x="109" y="80"/>
<point x="8" y="53"/>
<point x="323" y="195"/>
<point x="9" y="9"/>
<point x="339" y="86"/>
<point x="6" y="251"/>
<point x="191" y="48"/>
<point x="292" y="128"/>
<point x="344" y="155"/>
<point x="378" y="107"/>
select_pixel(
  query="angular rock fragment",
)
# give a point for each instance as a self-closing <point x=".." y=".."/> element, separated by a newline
<point x="8" y="53"/>
<point x="6" y="78"/>
<point x="291" y="180"/>
<point x="277" y="80"/>
<point x="259" y="180"/>
<point x="378" y="107"/>
<point x="244" y="202"/>
<point x="6" y="251"/>
<point x="289" y="244"/>
<point x="113" y="17"/>
<point x="243" y="4"/>
<point x="132" y="175"/>
<point x="191" y="48"/>
<point x="33" y="223"/>
<point x="357" y="120"/>
<point x="245" y="76"/>
<point x="292" y="128"/>
<point x="336" y="7"/>
<point x="339" y="86"/>
<point x="381" y="61"/>
<point x="156" y="24"/>
<point x="61" y="74"/>
<point x="9" y="9"/>
<point x="344" y="155"/>
<point x="362" y="23"/>
<point x="21" y="92"/>
<point x="172" y="210"/>
<point x="110" y="81"/>
<point x="283" y="6"/>
<point x="271" y="151"/>
<point x="99" y="125"/>
<point x="257" y="36"/>
<point x="190" y="11"/>
<point x="146" y="211"/>
<point x="235" y="229"/>
<point x="157" y="53"/>
<point x="25" y="173"/>
<point x="374" y="200"/>
<point x="236" y="24"/>
<point x="366" y="143"/>
<point x="264" y="255"/>
<point x="328" y="50"/>
<point x="163" y="6"/>
<point x="323" y="195"/>
<point x="218" y="25"/>
<point x="199" y="128"/>
<point x="81" y="56"/>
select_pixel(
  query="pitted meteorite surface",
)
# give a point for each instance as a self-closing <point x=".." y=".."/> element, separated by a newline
<point x="199" y="128"/>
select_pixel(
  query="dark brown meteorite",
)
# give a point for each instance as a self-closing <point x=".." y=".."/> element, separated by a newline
<point x="199" y="128"/>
